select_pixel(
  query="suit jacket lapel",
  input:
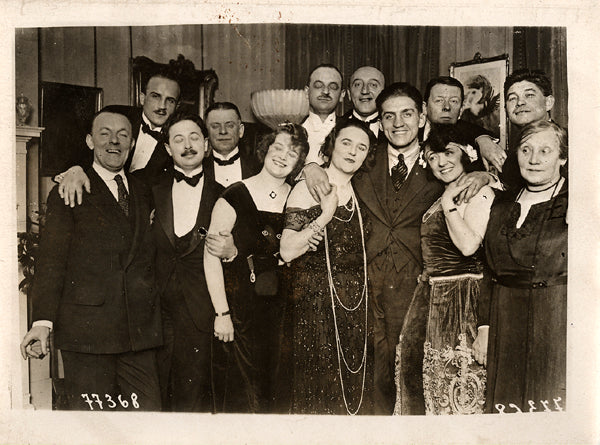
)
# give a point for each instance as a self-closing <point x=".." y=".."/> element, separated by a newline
<point x="102" y="198"/>
<point x="371" y="186"/>
<point x="140" y="225"/>
<point x="163" y="203"/>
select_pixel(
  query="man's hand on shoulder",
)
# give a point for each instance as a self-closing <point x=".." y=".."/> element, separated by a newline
<point x="71" y="185"/>
<point x="473" y="182"/>
<point x="491" y="152"/>
<point x="317" y="181"/>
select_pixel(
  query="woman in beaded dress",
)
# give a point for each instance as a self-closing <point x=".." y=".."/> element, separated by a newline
<point x="246" y="292"/>
<point x="434" y="361"/>
<point x="526" y="248"/>
<point x="331" y="339"/>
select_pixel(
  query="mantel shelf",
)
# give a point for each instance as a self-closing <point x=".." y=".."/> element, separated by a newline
<point x="25" y="133"/>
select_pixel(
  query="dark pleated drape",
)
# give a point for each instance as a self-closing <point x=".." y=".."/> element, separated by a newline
<point x="402" y="53"/>
<point x="545" y="48"/>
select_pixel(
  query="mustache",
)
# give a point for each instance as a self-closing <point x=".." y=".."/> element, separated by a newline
<point x="189" y="151"/>
<point x="324" y="96"/>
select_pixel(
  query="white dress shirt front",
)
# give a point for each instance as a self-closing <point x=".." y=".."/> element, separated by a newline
<point x="410" y="157"/>
<point x="144" y="147"/>
<point x="186" y="203"/>
<point x="228" y="174"/>
<point x="317" y="132"/>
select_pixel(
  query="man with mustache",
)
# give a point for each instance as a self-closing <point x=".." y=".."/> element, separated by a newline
<point x="148" y="156"/>
<point x="324" y="91"/>
<point x="365" y="85"/>
<point x="95" y="284"/>
<point x="230" y="161"/>
<point x="183" y="205"/>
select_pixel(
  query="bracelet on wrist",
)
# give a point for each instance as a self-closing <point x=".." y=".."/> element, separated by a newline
<point x="315" y="227"/>
<point x="222" y="314"/>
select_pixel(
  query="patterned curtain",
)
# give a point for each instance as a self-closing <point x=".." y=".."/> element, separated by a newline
<point x="545" y="48"/>
<point x="402" y="53"/>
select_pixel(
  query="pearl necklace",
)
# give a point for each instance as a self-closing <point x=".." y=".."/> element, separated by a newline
<point x="334" y="297"/>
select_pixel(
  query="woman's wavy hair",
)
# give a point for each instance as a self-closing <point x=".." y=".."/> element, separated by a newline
<point x="299" y="139"/>
<point x="329" y="143"/>
<point x="559" y="132"/>
<point x="439" y="137"/>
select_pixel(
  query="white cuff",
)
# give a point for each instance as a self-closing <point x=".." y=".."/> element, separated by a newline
<point x="45" y="323"/>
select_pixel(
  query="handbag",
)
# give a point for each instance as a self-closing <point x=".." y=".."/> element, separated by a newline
<point x="263" y="274"/>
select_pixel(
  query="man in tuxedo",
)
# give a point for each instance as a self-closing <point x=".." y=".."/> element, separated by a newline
<point x="528" y="98"/>
<point x="365" y="85"/>
<point x="95" y="284"/>
<point x="444" y="97"/>
<point x="230" y="161"/>
<point x="183" y="205"/>
<point x="325" y="91"/>
<point x="148" y="157"/>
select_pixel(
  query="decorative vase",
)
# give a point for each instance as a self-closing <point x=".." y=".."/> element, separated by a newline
<point x="24" y="110"/>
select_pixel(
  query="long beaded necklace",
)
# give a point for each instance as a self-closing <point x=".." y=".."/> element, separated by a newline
<point x="334" y="297"/>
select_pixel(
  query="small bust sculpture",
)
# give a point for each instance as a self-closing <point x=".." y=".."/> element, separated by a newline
<point x="24" y="109"/>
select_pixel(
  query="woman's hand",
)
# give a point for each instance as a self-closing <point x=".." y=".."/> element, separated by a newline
<point x="480" y="345"/>
<point x="314" y="240"/>
<point x="224" y="328"/>
<point x="329" y="202"/>
<point x="317" y="181"/>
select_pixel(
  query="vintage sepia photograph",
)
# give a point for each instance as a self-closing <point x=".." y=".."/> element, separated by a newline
<point x="227" y="221"/>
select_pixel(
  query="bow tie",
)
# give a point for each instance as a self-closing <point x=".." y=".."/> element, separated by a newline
<point x="369" y="122"/>
<point x="229" y="161"/>
<point x="193" y="181"/>
<point x="155" y="134"/>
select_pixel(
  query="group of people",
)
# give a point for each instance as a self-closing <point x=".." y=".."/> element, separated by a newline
<point x="361" y="264"/>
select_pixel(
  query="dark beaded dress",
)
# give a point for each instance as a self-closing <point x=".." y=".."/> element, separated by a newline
<point x="332" y="351"/>
<point x="435" y="369"/>
<point x="245" y="370"/>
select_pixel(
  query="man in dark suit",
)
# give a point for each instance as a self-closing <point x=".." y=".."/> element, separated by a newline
<point x="365" y="85"/>
<point x="95" y="283"/>
<point x="231" y="161"/>
<point x="183" y="205"/>
<point x="148" y="156"/>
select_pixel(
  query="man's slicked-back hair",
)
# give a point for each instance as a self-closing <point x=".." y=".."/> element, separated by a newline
<point x="400" y="89"/>
<point x="223" y="106"/>
<point x="164" y="73"/>
<point x="444" y="80"/>
<point x="537" y="77"/>
<point x="326" y="65"/>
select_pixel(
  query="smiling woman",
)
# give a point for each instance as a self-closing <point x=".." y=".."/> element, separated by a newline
<point x="245" y="290"/>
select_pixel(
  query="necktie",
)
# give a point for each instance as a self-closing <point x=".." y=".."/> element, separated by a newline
<point x="193" y="181"/>
<point x="399" y="172"/>
<point x="123" y="196"/>
<point x="229" y="161"/>
<point x="155" y="134"/>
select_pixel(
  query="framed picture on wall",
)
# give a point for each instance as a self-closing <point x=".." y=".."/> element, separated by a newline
<point x="483" y="81"/>
<point x="66" y="112"/>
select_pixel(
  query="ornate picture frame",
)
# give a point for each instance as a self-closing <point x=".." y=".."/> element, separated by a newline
<point x="483" y="82"/>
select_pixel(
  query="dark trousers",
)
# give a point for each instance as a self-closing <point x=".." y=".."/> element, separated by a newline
<point x="111" y="382"/>
<point x="184" y="365"/>
<point x="392" y="294"/>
